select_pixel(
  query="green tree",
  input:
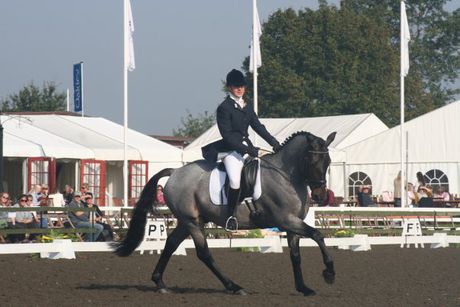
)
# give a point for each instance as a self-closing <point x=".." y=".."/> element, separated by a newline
<point x="340" y="61"/>
<point x="33" y="99"/>
<point x="195" y="126"/>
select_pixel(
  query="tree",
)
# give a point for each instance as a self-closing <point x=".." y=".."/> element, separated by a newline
<point x="195" y="126"/>
<point x="342" y="61"/>
<point x="33" y="99"/>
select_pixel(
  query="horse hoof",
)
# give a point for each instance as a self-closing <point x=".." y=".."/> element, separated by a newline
<point x="329" y="277"/>
<point x="164" y="291"/>
<point x="307" y="292"/>
<point x="241" y="292"/>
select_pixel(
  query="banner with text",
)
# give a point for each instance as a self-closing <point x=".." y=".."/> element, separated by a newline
<point x="77" y="87"/>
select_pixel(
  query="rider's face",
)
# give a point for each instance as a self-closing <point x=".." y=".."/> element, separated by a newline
<point x="237" y="91"/>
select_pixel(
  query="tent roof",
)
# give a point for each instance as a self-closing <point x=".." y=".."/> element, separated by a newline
<point x="432" y="137"/>
<point x="22" y="139"/>
<point x="63" y="136"/>
<point x="350" y="129"/>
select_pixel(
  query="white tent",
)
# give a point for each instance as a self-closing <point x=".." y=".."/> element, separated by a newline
<point x="68" y="139"/>
<point x="22" y="139"/>
<point x="433" y="149"/>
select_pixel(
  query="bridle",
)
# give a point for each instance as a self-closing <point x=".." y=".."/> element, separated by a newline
<point x="316" y="182"/>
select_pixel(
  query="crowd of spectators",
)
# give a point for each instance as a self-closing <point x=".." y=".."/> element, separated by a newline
<point x="39" y="197"/>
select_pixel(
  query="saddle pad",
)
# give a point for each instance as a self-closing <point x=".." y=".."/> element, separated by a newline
<point x="217" y="186"/>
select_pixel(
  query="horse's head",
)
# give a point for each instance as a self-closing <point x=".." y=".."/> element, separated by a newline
<point x="317" y="161"/>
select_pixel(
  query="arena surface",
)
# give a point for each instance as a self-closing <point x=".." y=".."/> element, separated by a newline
<point x="384" y="276"/>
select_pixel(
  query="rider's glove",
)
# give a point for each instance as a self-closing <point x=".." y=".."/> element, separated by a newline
<point x="253" y="151"/>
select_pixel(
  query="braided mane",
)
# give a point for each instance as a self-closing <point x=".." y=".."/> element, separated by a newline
<point x="289" y="138"/>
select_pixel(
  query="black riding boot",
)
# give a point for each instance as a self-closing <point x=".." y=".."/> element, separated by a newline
<point x="233" y="201"/>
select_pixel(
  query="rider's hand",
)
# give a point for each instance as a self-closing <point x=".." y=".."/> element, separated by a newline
<point x="253" y="151"/>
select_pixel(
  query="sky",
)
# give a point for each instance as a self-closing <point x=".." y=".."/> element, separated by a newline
<point x="183" y="50"/>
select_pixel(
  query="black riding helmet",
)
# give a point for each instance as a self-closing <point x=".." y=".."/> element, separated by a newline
<point x="236" y="78"/>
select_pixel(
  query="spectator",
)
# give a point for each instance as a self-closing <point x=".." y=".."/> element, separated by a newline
<point x="107" y="233"/>
<point x="412" y="196"/>
<point x="425" y="194"/>
<point x="4" y="215"/>
<point x="420" y="180"/>
<point x="330" y="199"/>
<point x="36" y="192"/>
<point x="57" y="199"/>
<point x="44" y="202"/>
<point x="68" y="194"/>
<point x="23" y="220"/>
<point x="397" y="190"/>
<point x="80" y="219"/>
<point x="364" y="197"/>
<point x="160" y="196"/>
<point x="442" y="194"/>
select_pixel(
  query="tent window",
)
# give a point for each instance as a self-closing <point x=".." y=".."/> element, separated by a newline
<point x="355" y="180"/>
<point x="92" y="173"/>
<point x="41" y="171"/>
<point x="138" y="171"/>
<point x="436" y="178"/>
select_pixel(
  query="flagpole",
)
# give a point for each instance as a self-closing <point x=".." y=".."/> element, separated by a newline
<point x="402" y="140"/>
<point x="125" y="101"/>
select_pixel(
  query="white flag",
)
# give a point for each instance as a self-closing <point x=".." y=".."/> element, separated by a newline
<point x="255" y="42"/>
<point x="131" y="61"/>
<point x="405" y="38"/>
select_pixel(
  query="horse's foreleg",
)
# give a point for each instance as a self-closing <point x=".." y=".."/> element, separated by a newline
<point x="302" y="229"/>
<point x="204" y="255"/>
<point x="172" y="243"/>
<point x="293" y="241"/>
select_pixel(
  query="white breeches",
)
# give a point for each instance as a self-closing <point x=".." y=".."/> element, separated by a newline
<point x="234" y="164"/>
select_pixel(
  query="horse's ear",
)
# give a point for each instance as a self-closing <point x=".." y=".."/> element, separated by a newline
<point x="330" y="138"/>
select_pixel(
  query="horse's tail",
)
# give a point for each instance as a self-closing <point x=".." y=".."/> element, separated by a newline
<point x="139" y="217"/>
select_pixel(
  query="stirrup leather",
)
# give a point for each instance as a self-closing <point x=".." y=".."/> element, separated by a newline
<point x="231" y="218"/>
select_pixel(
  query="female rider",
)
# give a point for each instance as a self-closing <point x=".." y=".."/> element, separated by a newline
<point x="234" y="116"/>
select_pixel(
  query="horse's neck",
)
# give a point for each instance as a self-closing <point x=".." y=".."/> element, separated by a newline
<point x="288" y="161"/>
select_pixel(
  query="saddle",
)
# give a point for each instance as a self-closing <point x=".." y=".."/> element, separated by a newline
<point x="250" y="186"/>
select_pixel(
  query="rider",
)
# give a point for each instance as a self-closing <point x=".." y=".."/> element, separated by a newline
<point x="234" y="116"/>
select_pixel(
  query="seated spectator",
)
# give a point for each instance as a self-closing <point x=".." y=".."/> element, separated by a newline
<point x="412" y="196"/>
<point x="330" y="199"/>
<point x="23" y="220"/>
<point x="68" y="194"/>
<point x="364" y="197"/>
<point x="4" y="216"/>
<point x="160" y="200"/>
<point x="43" y="215"/>
<point x="80" y="219"/>
<point x="36" y="193"/>
<point x="425" y="194"/>
<point x="442" y="194"/>
<point x="107" y="233"/>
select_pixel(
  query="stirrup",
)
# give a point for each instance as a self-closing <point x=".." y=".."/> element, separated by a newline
<point x="231" y="218"/>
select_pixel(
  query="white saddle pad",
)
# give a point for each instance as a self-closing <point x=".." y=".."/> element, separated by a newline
<point x="217" y="182"/>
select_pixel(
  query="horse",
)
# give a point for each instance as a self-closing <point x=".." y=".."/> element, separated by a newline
<point x="302" y="160"/>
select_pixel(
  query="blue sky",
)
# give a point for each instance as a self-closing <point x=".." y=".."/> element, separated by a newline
<point x="183" y="51"/>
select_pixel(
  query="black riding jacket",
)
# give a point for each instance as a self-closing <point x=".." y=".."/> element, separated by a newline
<point x="234" y="121"/>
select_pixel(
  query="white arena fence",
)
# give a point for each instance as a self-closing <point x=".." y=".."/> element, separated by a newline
<point x="67" y="249"/>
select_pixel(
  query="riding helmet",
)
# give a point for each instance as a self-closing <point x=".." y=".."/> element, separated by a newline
<point x="236" y="78"/>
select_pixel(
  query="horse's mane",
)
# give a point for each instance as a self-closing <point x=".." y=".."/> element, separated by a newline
<point x="292" y="136"/>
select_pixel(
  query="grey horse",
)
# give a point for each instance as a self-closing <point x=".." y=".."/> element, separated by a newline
<point x="302" y="160"/>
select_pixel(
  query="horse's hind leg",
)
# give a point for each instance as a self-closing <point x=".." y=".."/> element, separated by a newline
<point x="172" y="243"/>
<point x="302" y="229"/>
<point x="204" y="255"/>
<point x="293" y="241"/>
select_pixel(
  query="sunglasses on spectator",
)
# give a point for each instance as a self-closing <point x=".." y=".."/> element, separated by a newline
<point x="5" y="197"/>
<point x="23" y="200"/>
